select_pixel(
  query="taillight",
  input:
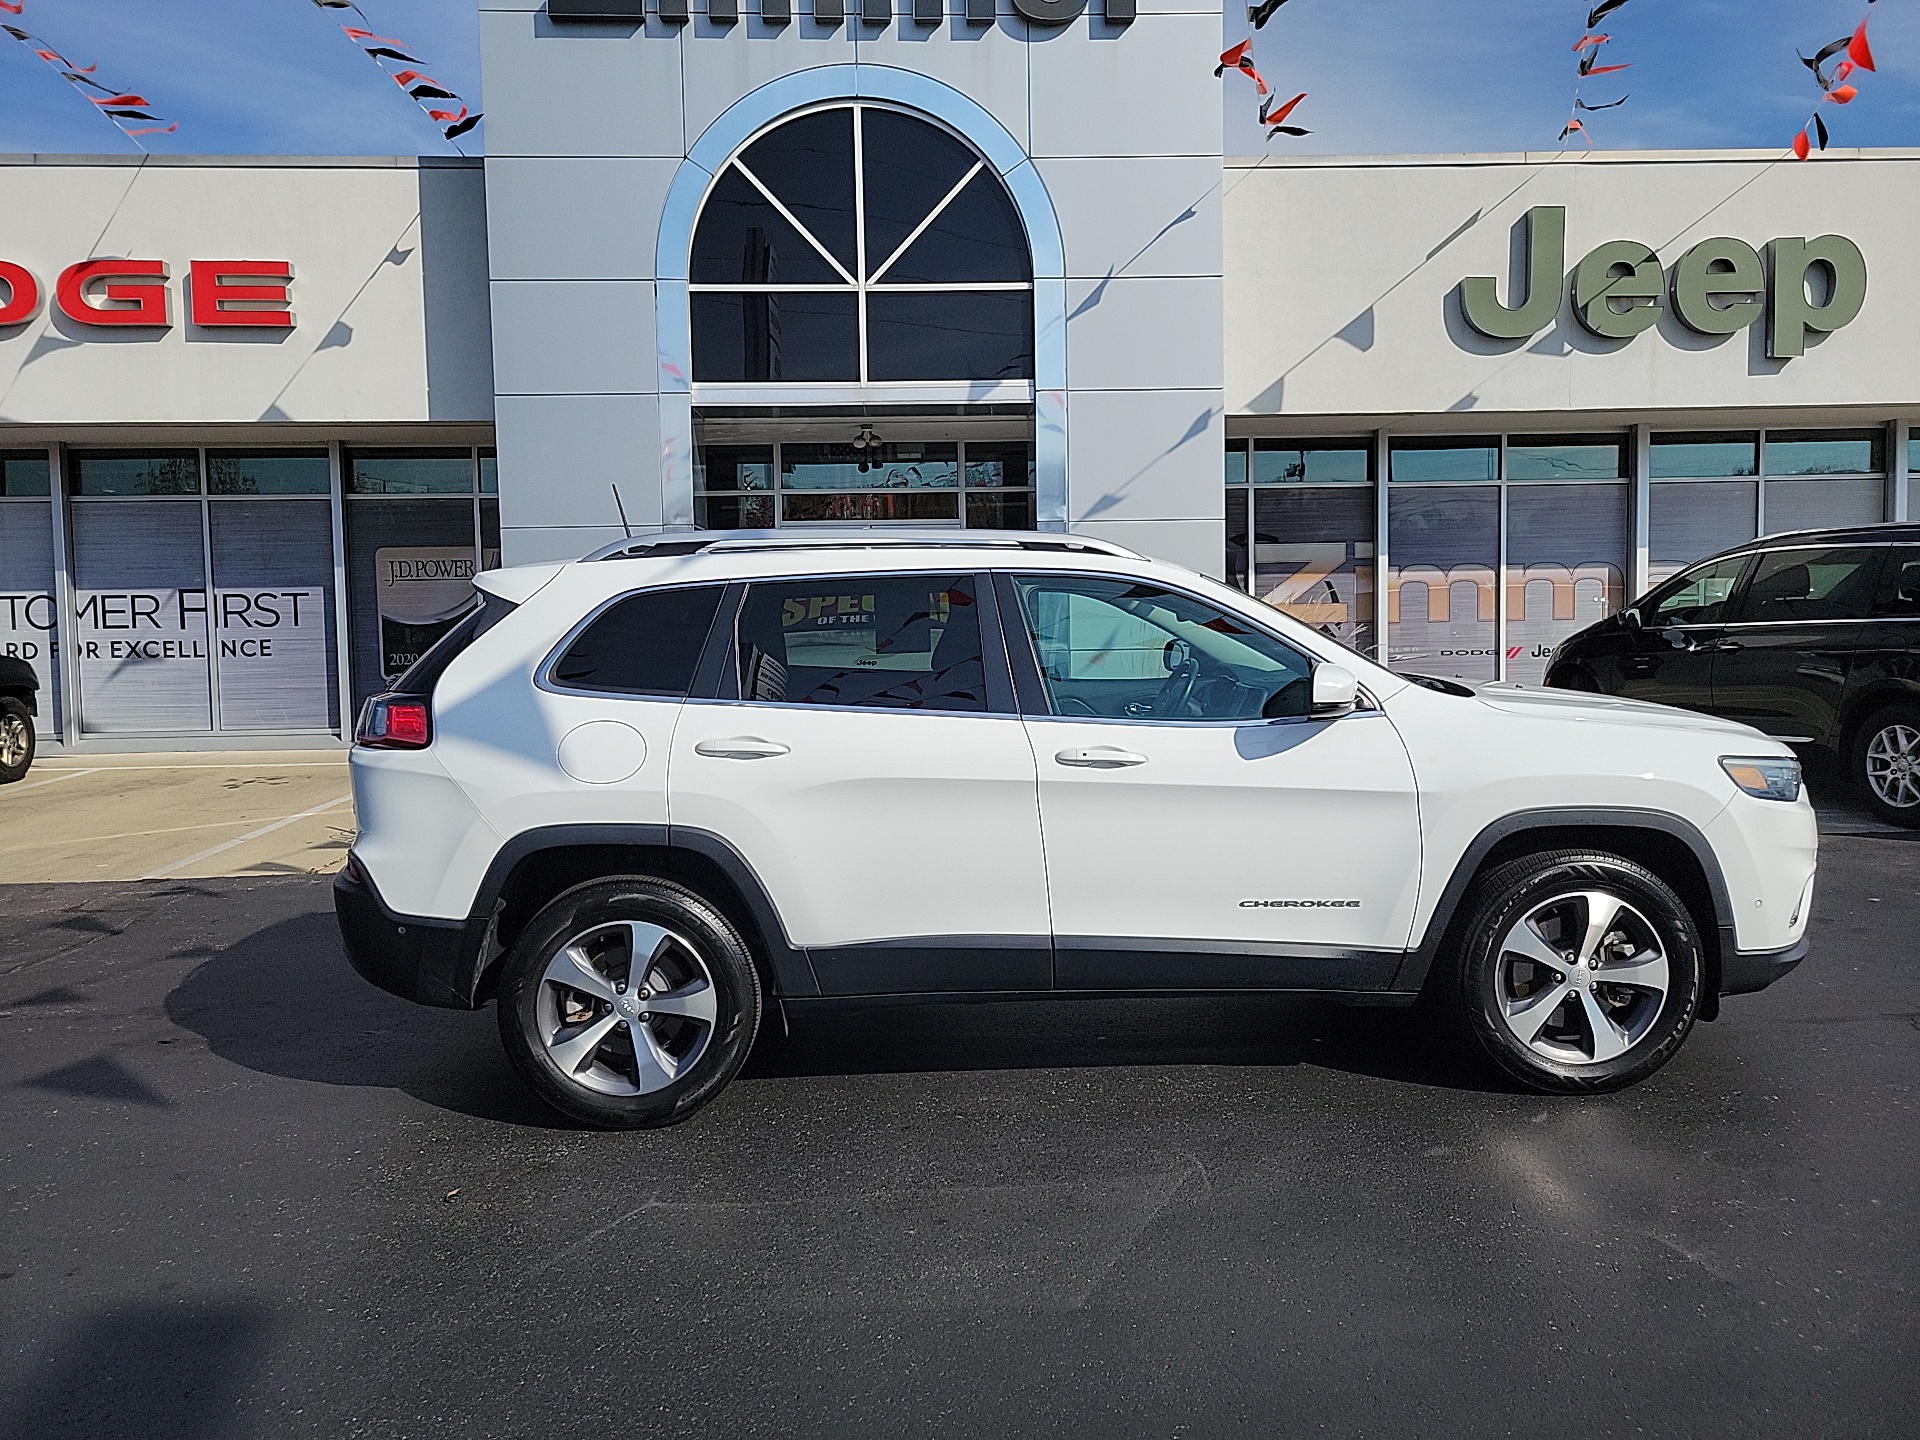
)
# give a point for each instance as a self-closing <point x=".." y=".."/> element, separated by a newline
<point x="394" y="722"/>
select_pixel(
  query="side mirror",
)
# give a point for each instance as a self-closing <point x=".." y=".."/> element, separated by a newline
<point x="1335" y="693"/>
<point x="1630" y="618"/>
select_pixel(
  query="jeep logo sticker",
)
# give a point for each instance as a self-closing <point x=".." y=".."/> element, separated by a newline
<point x="1718" y="287"/>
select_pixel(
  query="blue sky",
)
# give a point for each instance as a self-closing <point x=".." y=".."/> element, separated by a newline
<point x="1382" y="76"/>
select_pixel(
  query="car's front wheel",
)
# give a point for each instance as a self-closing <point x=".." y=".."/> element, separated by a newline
<point x="16" y="740"/>
<point x="1886" y="763"/>
<point x="1575" y="972"/>
<point x="629" y="1003"/>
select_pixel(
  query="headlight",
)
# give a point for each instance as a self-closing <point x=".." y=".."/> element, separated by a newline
<point x="1770" y="778"/>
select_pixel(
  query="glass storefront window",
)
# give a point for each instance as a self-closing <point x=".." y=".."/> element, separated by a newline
<point x="410" y="567"/>
<point x="1566" y="568"/>
<point x="1823" y="504"/>
<point x="489" y="472"/>
<point x="870" y="467"/>
<point x="1312" y="462"/>
<point x="1824" y="452"/>
<point x="111" y="472"/>
<point x="1565" y="457"/>
<point x="1444" y="458"/>
<point x="140" y="611"/>
<point x="273" y="613"/>
<point x="1236" y="462"/>
<point x="266" y="472"/>
<point x="410" y="472"/>
<point x="1313" y="558"/>
<point x="1445" y="550"/>
<point x="1689" y="520"/>
<point x="25" y="474"/>
<point x="1688" y="455"/>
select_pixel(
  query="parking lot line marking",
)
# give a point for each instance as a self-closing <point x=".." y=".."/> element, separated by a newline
<point x="211" y="851"/>
<point x="65" y="775"/>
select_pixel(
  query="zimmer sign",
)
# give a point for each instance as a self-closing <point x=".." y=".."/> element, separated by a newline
<point x="1719" y="287"/>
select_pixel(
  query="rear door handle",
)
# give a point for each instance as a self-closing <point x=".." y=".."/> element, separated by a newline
<point x="1100" y="757"/>
<point x="741" y="747"/>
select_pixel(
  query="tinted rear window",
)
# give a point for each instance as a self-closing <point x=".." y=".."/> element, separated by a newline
<point x="421" y="676"/>
<point x="646" y="644"/>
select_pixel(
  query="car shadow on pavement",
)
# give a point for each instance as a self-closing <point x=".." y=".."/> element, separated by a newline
<point x="1037" y="1034"/>
<point x="153" y="1371"/>
<point x="283" y="1001"/>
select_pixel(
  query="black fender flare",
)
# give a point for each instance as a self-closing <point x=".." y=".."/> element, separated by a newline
<point x="1413" y="970"/>
<point x="792" y="970"/>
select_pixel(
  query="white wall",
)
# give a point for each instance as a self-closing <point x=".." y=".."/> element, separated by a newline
<point x="389" y="291"/>
<point x="1341" y="273"/>
<point x="1124" y="128"/>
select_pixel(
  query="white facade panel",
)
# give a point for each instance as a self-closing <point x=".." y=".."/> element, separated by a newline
<point x="551" y="219"/>
<point x="1145" y="455"/>
<point x="1137" y="214"/>
<point x="1342" y="284"/>
<point x="574" y="337"/>
<point x="561" y="454"/>
<point x="1144" y="334"/>
<point x="1146" y="90"/>
<point x="548" y="87"/>
<point x="388" y="326"/>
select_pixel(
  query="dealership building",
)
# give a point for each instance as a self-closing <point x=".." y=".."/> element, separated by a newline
<point x="916" y="261"/>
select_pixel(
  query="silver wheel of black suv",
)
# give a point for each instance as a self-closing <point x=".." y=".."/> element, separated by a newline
<point x="1576" y="971"/>
<point x="1886" y="763"/>
<point x="629" y="1003"/>
<point x="16" y="740"/>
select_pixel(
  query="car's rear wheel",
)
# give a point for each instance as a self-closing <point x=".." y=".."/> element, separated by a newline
<point x="16" y="739"/>
<point x="1885" y="762"/>
<point x="1576" y="972"/>
<point x="629" y="1003"/>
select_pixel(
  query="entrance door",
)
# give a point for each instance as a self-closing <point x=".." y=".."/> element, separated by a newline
<point x="874" y="776"/>
<point x="1200" y="831"/>
<point x="1669" y="659"/>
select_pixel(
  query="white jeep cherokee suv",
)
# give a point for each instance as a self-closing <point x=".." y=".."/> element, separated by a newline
<point x="636" y="797"/>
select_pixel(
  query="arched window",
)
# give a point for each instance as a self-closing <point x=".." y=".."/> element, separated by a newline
<point x="860" y="244"/>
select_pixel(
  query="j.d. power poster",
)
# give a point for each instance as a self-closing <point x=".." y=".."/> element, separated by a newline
<point x="419" y="591"/>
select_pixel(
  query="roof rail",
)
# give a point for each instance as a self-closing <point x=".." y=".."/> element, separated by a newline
<point x="746" y="541"/>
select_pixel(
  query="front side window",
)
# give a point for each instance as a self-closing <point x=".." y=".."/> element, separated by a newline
<point x="645" y="644"/>
<point x="1699" y="597"/>
<point x="861" y="245"/>
<point x="1123" y="650"/>
<point x="1791" y="585"/>
<point x="888" y="642"/>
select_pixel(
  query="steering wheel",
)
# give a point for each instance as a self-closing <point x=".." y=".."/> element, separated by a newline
<point x="1176" y="692"/>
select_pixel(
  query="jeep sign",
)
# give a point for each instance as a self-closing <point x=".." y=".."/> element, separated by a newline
<point x="1718" y="287"/>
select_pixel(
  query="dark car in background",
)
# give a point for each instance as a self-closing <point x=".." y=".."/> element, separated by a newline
<point x="1813" y="637"/>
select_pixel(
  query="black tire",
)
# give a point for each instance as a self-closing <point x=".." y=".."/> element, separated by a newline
<point x="1484" y="982"/>
<point x="16" y="739"/>
<point x="1884" y="763"/>
<point x="540" y="1018"/>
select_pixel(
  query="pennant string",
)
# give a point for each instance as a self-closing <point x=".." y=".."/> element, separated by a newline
<point x="1833" y="90"/>
<point x="423" y="88"/>
<point x="1588" y="47"/>
<point x="116" y="104"/>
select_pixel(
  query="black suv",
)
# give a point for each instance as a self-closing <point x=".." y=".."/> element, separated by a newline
<point x="18" y="687"/>
<point x="1813" y="637"/>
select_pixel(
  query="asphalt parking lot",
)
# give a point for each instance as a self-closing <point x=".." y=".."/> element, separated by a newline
<point x="248" y="1195"/>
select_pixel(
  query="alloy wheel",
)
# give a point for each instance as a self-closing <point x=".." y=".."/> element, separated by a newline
<point x="626" y="1008"/>
<point x="15" y="741"/>
<point x="1893" y="765"/>
<point x="1581" y="978"/>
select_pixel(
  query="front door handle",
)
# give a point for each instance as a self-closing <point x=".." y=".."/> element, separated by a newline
<point x="1100" y="757"/>
<point x="741" y="747"/>
<point x="1728" y="647"/>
